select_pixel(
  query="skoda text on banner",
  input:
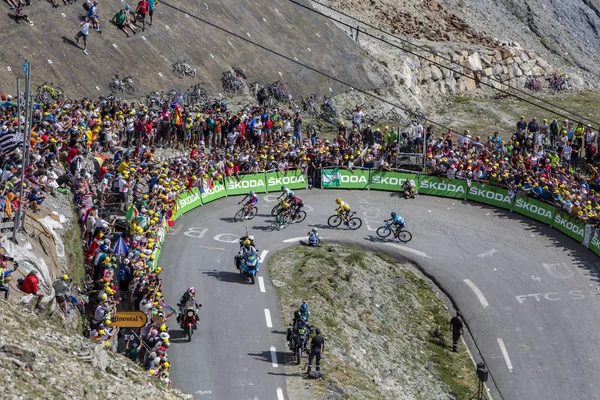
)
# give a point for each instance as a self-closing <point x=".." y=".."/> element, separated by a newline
<point x="392" y="181"/>
<point x="442" y="187"/>
<point x="246" y="183"/>
<point x="292" y="179"/>
<point x="491" y="195"/>
<point x="212" y="190"/>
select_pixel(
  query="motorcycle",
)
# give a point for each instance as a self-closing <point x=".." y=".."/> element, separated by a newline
<point x="298" y="340"/>
<point x="249" y="265"/>
<point x="314" y="239"/>
<point x="189" y="321"/>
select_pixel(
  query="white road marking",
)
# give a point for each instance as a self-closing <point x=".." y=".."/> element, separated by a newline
<point x="369" y="227"/>
<point x="203" y="392"/>
<point x="308" y="208"/>
<point x="295" y="239"/>
<point x="407" y="249"/>
<point x="477" y="292"/>
<point x="212" y="248"/>
<point x="268" y="318"/>
<point x="504" y="353"/>
<point x="175" y="230"/>
<point x="559" y="270"/>
<point x="227" y="238"/>
<point x="263" y="254"/>
<point x="261" y="284"/>
<point x="196" y="232"/>
<point x="270" y="198"/>
<point x="274" y="357"/>
<point x="280" y="394"/>
<point x="488" y="253"/>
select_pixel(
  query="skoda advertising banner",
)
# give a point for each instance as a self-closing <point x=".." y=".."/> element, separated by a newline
<point x="392" y="181"/>
<point x="212" y="190"/>
<point x="293" y="179"/>
<point x="535" y="209"/>
<point x="492" y="195"/>
<point x="343" y="179"/>
<point x="442" y="187"/>
<point x="246" y="183"/>
<point x="187" y="201"/>
<point x="595" y="244"/>
<point x="569" y="226"/>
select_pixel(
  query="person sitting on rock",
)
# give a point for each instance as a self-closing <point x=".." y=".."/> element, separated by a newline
<point x="29" y="285"/>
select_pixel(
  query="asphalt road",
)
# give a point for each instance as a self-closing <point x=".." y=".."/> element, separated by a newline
<point x="528" y="294"/>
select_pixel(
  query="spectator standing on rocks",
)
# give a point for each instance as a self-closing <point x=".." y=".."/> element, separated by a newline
<point x="83" y="33"/>
<point x="317" y="348"/>
<point x="62" y="292"/>
<point x="458" y="329"/>
<point x="5" y="278"/>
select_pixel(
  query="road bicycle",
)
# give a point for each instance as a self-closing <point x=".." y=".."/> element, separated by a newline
<point x="351" y="221"/>
<point x="182" y="68"/>
<point x="281" y="221"/>
<point x="400" y="233"/>
<point x="232" y="82"/>
<point x="47" y="93"/>
<point x="196" y="94"/>
<point x="122" y="85"/>
<point x="245" y="213"/>
<point x="298" y="217"/>
<point x="310" y="105"/>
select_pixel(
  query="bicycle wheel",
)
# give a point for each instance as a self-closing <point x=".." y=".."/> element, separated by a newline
<point x="129" y="89"/>
<point x="301" y="216"/>
<point x="189" y="71"/>
<point x="383" y="231"/>
<point x="334" y="221"/>
<point x="285" y="223"/>
<point x="45" y="97"/>
<point x="239" y="215"/>
<point x="252" y="213"/>
<point x="59" y="94"/>
<point x="275" y="209"/>
<point x="114" y="87"/>
<point x="404" y="236"/>
<point x="178" y="71"/>
<point x="354" y="223"/>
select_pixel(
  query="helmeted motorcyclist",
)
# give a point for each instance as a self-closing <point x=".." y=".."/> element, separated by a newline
<point x="300" y="320"/>
<point x="248" y="247"/>
<point x="243" y="239"/>
<point x="188" y="299"/>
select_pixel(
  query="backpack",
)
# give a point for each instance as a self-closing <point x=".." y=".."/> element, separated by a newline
<point x="123" y="275"/>
<point x="211" y="124"/>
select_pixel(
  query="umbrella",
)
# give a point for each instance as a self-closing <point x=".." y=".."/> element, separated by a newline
<point x="120" y="247"/>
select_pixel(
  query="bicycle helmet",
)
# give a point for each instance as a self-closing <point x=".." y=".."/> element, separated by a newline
<point x="247" y="242"/>
<point x="393" y="214"/>
<point x="292" y="196"/>
<point x="192" y="290"/>
<point x="282" y="187"/>
<point x="251" y="238"/>
<point x="251" y="193"/>
<point x="304" y="307"/>
<point x="314" y="230"/>
<point x="338" y="200"/>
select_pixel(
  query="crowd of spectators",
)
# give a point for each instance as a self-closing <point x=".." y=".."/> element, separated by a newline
<point x="102" y="154"/>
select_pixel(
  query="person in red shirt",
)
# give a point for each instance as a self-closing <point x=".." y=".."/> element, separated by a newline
<point x="30" y="286"/>
<point x="142" y="9"/>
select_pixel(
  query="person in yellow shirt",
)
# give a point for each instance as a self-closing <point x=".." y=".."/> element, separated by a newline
<point x="343" y="209"/>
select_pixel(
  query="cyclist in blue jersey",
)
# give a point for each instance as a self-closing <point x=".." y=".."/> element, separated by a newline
<point x="252" y="201"/>
<point x="397" y="220"/>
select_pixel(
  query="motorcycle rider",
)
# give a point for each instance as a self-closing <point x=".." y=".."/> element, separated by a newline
<point x="187" y="299"/>
<point x="243" y="239"/>
<point x="252" y="201"/>
<point x="300" y="320"/>
<point x="248" y="247"/>
<point x="296" y="205"/>
<point x="313" y="237"/>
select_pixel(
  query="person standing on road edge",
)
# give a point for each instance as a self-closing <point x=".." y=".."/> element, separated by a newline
<point x="458" y="328"/>
<point x="83" y="33"/>
<point x="317" y="348"/>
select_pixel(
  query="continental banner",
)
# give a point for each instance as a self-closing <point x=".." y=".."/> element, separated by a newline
<point x="344" y="179"/>
<point x="535" y="209"/>
<point x="491" y="195"/>
<point x="187" y="201"/>
<point x="392" y="181"/>
<point x="292" y="179"/>
<point x="442" y="187"/>
<point x="212" y="190"/>
<point x="246" y="183"/>
<point x="569" y="226"/>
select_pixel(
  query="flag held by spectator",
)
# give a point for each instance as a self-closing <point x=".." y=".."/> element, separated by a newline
<point x="132" y="213"/>
<point x="120" y="247"/>
<point x="8" y="142"/>
<point x="332" y="178"/>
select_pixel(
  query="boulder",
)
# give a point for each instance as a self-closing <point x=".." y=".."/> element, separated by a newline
<point x="447" y="72"/>
<point x="504" y="70"/>
<point x="514" y="70"/>
<point x="544" y="65"/>
<point x="498" y="55"/>
<point x="442" y="87"/>
<point x="524" y="56"/>
<point x="455" y="57"/>
<point x="474" y="62"/>
<point x="450" y="83"/>
<point x="425" y="74"/>
<point x="531" y="54"/>
<point x="460" y="84"/>
<point x="488" y="71"/>
<point x="431" y="87"/>
<point x="486" y="60"/>
<point x="436" y="73"/>
<point x="470" y="82"/>
<point x="506" y="52"/>
<point x="509" y="61"/>
<point x="497" y="69"/>
<point x="526" y="67"/>
<point x="537" y="71"/>
<point x="518" y="60"/>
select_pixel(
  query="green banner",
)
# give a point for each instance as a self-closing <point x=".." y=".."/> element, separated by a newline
<point x="331" y="178"/>
<point x="442" y="187"/>
<point x="569" y="226"/>
<point x="356" y="179"/>
<point x="595" y="245"/>
<point x="187" y="201"/>
<point x="392" y="181"/>
<point x="492" y="195"/>
<point x="246" y="183"/>
<point x="212" y="190"/>
<point x="534" y="209"/>
<point x="292" y="179"/>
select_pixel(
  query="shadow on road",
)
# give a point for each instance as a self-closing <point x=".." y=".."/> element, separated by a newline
<point x="262" y="228"/>
<point x="179" y="336"/>
<point x="282" y="357"/>
<point x="229" y="220"/>
<point x="70" y="41"/>
<point x="226" y="276"/>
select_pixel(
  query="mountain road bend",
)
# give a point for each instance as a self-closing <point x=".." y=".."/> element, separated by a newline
<point x="529" y="295"/>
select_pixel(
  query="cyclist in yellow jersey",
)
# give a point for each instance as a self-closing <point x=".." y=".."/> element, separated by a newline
<point x="343" y="208"/>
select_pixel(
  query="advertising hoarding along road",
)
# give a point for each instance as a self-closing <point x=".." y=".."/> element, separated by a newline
<point x="392" y="181"/>
<point x="569" y="226"/>
<point x="130" y="319"/>
<point x="435" y="186"/>
<point x="292" y="179"/>
<point x="187" y="201"/>
<point x="246" y="183"/>
<point x="212" y="190"/>
<point x="535" y="209"/>
<point x="491" y="195"/>
<point x="344" y="179"/>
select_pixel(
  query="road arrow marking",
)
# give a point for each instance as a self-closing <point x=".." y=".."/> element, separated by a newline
<point x="477" y="292"/>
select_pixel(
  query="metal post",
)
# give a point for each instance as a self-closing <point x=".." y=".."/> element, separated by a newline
<point x="24" y="158"/>
<point x="425" y="140"/>
<point x="357" y="30"/>
<point x="29" y="112"/>
<point x="16" y="224"/>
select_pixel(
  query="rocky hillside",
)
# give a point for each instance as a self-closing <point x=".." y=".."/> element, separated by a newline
<point x="378" y="318"/>
<point x="40" y="360"/>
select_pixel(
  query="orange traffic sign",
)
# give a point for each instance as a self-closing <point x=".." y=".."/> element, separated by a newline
<point x="130" y="319"/>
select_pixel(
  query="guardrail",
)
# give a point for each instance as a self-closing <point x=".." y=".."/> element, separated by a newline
<point x="392" y="181"/>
